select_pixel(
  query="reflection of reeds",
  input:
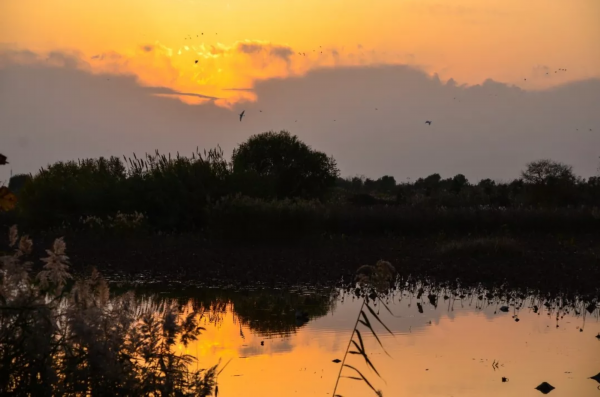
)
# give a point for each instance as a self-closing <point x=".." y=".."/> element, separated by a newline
<point x="63" y="338"/>
<point x="374" y="280"/>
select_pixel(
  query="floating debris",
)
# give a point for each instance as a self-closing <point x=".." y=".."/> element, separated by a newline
<point x="545" y="387"/>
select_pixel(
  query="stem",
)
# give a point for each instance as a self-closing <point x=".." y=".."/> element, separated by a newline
<point x="348" y="348"/>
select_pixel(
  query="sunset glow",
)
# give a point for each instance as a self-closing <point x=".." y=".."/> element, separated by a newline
<point x="240" y="42"/>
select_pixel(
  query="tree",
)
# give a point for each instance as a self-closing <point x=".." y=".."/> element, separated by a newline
<point x="291" y="167"/>
<point x="544" y="172"/>
<point x="386" y="183"/>
<point x="458" y="183"/>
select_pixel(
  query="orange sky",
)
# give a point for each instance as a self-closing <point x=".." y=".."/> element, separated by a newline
<point x="244" y="41"/>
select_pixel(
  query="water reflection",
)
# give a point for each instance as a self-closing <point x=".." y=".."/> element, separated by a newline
<point x="442" y="345"/>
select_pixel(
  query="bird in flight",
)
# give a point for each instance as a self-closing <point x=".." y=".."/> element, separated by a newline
<point x="428" y="122"/>
<point x="196" y="61"/>
<point x="242" y="115"/>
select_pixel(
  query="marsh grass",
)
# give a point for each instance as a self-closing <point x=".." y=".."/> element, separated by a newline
<point x="60" y="336"/>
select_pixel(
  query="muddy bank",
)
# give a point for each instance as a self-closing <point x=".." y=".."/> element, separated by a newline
<point x="545" y="263"/>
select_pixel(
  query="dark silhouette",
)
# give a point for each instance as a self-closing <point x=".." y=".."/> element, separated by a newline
<point x="3" y="159"/>
<point x="428" y="122"/>
<point x="288" y="166"/>
<point x="545" y="387"/>
<point x="242" y="115"/>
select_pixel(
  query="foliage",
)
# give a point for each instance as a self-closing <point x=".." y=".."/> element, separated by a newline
<point x="291" y="167"/>
<point x="63" y="338"/>
<point x="276" y="186"/>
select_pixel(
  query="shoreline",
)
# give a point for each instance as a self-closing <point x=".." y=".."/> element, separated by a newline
<point x="546" y="263"/>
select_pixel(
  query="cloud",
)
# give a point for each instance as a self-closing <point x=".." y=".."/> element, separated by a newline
<point x="205" y="69"/>
<point x="486" y="130"/>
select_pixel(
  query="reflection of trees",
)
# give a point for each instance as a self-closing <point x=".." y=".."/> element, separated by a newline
<point x="265" y="312"/>
<point x="269" y="312"/>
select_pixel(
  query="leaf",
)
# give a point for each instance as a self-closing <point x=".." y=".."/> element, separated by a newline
<point x="363" y="353"/>
<point x="367" y="324"/>
<point x="226" y="364"/>
<point x="8" y="201"/>
<point x="378" y="319"/>
<point x="387" y="308"/>
<point x="362" y="376"/>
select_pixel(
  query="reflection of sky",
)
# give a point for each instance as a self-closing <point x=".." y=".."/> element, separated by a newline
<point x="451" y="356"/>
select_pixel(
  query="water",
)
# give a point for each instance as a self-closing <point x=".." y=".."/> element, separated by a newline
<point x="459" y="348"/>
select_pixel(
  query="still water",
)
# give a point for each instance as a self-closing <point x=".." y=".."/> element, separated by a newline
<point x="457" y="347"/>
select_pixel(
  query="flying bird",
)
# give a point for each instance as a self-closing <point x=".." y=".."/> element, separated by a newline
<point x="242" y="115"/>
<point x="196" y="61"/>
<point x="3" y="159"/>
<point x="428" y="122"/>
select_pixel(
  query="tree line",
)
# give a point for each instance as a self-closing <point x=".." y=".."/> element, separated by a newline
<point x="179" y="192"/>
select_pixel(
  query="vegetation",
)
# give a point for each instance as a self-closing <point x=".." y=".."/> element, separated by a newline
<point x="59" y="337"/>
<point x="276" y="186"/>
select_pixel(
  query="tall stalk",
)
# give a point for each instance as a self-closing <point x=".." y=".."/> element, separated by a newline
<point x="348" y="348"/>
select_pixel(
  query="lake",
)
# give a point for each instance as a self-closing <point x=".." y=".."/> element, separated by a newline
<point x="441" y="346"/>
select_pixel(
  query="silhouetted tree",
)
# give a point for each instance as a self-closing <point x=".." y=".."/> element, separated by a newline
<point x="458" y="183"/>
<point x="545" y="171"/>
<point x="291" y="167"/>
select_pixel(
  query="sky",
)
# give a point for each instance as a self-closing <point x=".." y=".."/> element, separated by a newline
<point x="503" y="82"/>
